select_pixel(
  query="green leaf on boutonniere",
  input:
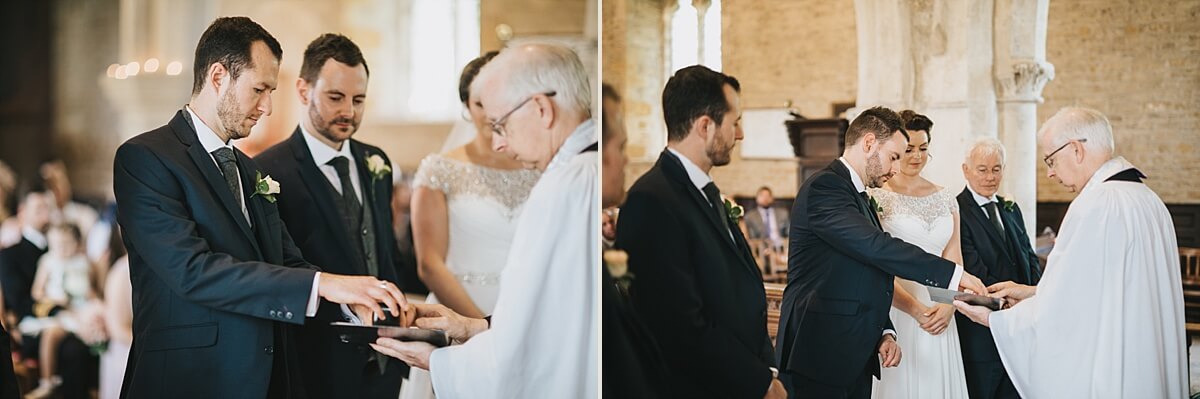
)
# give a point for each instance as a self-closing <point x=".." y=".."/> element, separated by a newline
<point x="265" y="186"/>
<point x="1008" y="205"/>
<point x="734" y="211"/>
<point x="875" y="205"/>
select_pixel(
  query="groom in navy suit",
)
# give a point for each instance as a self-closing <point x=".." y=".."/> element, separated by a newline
<point x="217" y="280"/>
<point x="339" y="213"/>
<point x="834" y="316"/>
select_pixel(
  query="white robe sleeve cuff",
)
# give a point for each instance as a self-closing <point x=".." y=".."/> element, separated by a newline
<point x="958" y="272"/>
<point x="313" y="298"/>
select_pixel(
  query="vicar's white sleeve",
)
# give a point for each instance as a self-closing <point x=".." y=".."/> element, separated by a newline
<point x="543" y="337"/>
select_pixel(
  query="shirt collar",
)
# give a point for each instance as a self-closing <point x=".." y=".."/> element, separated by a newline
<point x="36" y="237"/>
<point x="321" y="152"/>
<point x="207" y="137"/>
<point x="979" y="199"/>
<point x="1107" y="170"/>
<point x="697" y="176"/>
<point x="854" y="178"/>
<point x="583" y="136"/>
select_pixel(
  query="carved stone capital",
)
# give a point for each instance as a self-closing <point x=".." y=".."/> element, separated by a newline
<point x="1023" y="80"/>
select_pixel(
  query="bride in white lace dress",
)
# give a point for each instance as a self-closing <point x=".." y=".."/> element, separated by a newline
<point x="919" y="212"/>
<point x="465" y="207"/>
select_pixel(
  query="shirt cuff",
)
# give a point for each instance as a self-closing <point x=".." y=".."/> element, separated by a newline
<point x="958" y="272"/>
<point x="313" y="298"/>
<point x="890" y="332"/>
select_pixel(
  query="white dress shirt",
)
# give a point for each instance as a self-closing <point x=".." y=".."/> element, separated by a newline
<point x="212" y="142"/>
<point x="36" y="237"/>
<point x="982" y="201"/>
<point x="322" y="154"/>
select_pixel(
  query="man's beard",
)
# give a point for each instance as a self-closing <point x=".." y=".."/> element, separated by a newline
<point x="325" y="129"/>
<point x="719" y="151"/>
<point x="231" y="118"/>
<point x="875" y="175"/>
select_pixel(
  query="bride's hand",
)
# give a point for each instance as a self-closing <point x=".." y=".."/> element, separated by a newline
<point x="937" y="318"/>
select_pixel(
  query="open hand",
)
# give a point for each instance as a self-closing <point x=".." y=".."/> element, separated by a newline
<point x="889" y="351"/>
<point x="978" y="314"/>
<point x="1011" y="292"/>
<point x="415" y="353"/>
<point x="937" y="318"/>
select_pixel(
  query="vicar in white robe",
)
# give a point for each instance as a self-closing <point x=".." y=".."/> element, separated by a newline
<point x="1106" y="321"/>
<point x="542" y="338"/>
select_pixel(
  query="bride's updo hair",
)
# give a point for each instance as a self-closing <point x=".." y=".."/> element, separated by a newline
<point x="914" y="121"/>
<point x="469" y="72"/>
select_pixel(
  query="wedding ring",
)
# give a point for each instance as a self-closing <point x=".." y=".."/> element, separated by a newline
<point x="383" y="284"/>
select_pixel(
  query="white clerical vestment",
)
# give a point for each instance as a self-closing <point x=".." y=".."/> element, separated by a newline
<point x="1107" y="319"/>
<point x="543" y="337"/>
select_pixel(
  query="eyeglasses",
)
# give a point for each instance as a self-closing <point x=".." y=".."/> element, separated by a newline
<point x="1049" y="158"/>
<point x="498" y="126"/>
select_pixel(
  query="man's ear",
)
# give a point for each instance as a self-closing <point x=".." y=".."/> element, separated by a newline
<point x="216" y="75"/>
<point x="869" y="143"/>
<point x="302" y="89"/>
<point x="545" y="109"/>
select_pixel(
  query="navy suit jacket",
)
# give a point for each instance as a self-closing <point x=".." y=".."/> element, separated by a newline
<point x="331" y="367"/>
<point x="209" y="290"/>
<point x="697" y="289"/>
<point x="993" y="258"/>
<point x="841" y="267"/>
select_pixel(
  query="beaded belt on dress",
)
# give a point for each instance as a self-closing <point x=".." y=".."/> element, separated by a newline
<point x="479" y="278"/>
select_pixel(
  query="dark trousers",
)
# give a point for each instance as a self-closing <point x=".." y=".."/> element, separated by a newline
<point x="801" y="387"/>
<point x="989" y="380"/>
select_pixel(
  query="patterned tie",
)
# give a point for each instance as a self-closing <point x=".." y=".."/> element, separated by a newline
<point x="228" y="163"/>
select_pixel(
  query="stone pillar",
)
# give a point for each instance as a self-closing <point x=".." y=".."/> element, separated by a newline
<point x="1021" y="72"/>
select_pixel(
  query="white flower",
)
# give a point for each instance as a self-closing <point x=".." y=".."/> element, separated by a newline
<point x="272" y="185"/>
<point x="265" y="187"/>
<point x="377" y="166"/>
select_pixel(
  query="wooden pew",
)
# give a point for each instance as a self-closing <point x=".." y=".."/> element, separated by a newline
<point x="1189" y="262"/>
<point x="774" y="303"/>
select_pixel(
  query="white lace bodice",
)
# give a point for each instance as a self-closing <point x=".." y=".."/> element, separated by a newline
<point x="927" y="222"/>
<point x="482" y="205"/>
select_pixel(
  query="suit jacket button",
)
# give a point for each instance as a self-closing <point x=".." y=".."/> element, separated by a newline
<point x="364" y="232"/>
<point x="270" y="350"/>
<point x="288" y="315"/>
<point x="272" y="313"/>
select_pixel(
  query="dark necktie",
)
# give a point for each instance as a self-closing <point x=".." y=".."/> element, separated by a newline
<point x="714" y="199"/>
<point x="228" y="163"/>
<point x="353" y="207"/>
<point x="994" y="214"/>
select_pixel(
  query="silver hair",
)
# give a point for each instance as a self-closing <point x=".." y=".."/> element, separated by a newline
<point x="985" y="146"/>
<point x="537" y="67"/>
<point x="1073" y="123"/>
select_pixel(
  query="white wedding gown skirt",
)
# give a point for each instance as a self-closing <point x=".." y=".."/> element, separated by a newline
<point x="931" y="366"/>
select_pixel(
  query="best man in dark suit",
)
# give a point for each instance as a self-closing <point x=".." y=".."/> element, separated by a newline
<point x="216" y="278"/>
<point x="841" y="268"/>
<point x="695" y="283"/>
<point x="339" y="213"/>
<point x="996" y="248"/>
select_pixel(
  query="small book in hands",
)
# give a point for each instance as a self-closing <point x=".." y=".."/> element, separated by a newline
<point x="362" y="334"/>
<point x="942" y="295"/>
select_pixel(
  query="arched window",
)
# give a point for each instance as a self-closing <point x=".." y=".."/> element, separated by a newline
<point x="695" y="27"/>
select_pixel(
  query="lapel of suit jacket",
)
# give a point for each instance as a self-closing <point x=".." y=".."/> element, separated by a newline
<point x="254" y="206"/>
<point x="1009" y="219"/>
<point x="975" y="215"/>
<point x="321" y="191"/>
<point x="184" y="130"/>
<point x="864" y="206"/>
<point x="673" y="169"/>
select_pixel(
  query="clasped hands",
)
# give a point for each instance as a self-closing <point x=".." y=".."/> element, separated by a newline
<point x="1011" y="292"/>
<point x="430" y="316"/>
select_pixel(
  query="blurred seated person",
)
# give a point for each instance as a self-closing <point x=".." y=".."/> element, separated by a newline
<point x="767" y="221"/>
<point x="54" y="177"/>
<point x="608" y="226"/>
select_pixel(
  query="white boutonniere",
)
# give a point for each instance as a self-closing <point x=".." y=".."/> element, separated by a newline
<point x="1008" y="205"/>
<point x="265" y="187"/>
<point x="378" y="167"/>
<point x="734" y="211"/>
<point x="617" y="262"/>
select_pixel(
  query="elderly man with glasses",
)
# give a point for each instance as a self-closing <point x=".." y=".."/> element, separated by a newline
<point x="540" y="342"/>
<point x="1106" y="320"/>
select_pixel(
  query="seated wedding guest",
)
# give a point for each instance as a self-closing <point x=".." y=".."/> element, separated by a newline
<point x="696" y="284"/>
<point x="118" y="320"/>
<point x="19" y="262"/>
<point x="633" y="366"/>
<point x="766" y="221"/>
<point x="465" y="206"/>
<point x="996" y="248"/>
<point x="66" y="209"/>
<point x="542" y="337"/>
<point x="406" y="255"/>
<point x="66" y="303"/>
<point x="1107" y="319"/>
